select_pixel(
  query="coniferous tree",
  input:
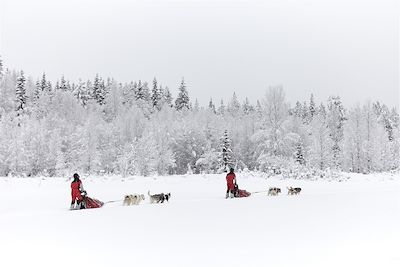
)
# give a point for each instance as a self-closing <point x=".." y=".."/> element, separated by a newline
<point x="156" y="96"/>
<point x="211" y="106"/>
<point x="20" y="91"/>
<point x="196" y="106"/>
<point x="64" y="85"/>
<point x="335" y="120"/>
<point x="234" y="105"/>
<point x="167" y="97"/>
<point x="312" y="108"/>
<point x="226" y="157"/>
<point x="99" y="90"/>
<point x="142" y="92"/>
<point x="247" y="108"/>
<point x="221" y="109"/>
<point x="299" y="154"/>
<point x="182" y="101"/>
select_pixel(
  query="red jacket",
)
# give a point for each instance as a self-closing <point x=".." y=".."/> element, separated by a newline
<point x="76" y="190"/>
<point x="231" y="180"/>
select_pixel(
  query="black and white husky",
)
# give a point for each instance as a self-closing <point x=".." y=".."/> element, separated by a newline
<point x="293" y="190"/>
<point x="159" y="198"/>
<point x="273" y="191"/>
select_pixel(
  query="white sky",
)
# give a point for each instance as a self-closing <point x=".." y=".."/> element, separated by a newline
<point x="344" y="47"/>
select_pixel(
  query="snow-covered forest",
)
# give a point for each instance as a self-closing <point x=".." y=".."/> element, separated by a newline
<point x="101" y="126"/>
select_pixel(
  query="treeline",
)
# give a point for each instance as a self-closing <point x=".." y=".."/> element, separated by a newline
<point x="102" y="126"/>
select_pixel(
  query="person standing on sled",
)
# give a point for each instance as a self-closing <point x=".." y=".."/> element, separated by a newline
<point x="231" y="183"/>
<point x="76" y="192"/>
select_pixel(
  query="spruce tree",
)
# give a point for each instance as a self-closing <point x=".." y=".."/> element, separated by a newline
<point x="156" y="96"/>
<point x="64" y="86"/>
<point x="335" y="120"/>
<point x="221" y="109"/>
<point x="234" y="105"/>
<point x="20" y="91"/>
<point x="43" y="82"/>
<point x="211" y="106"/>
<point x="247" y="108"/>
<point x="312" y="107"/>
<point x="226" y="158"/>
<point x="167" y="97"/>
<point x="99" y="90"/>
<point x="196" y="106"/>
<point x="182" y="101"/>
<point x="299" y="154"/>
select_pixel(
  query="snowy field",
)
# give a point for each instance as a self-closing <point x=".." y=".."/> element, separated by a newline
<point x="350" y="223"/>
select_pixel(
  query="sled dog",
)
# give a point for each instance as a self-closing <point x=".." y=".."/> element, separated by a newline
<point x="159" y="198"/>
<point x="133" y="199"/>
<point x="273" y="191"/>
<point x="293" y="191"/>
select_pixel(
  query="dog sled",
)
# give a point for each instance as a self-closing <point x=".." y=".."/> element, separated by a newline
<point x="240" y="192"/>
<point x="89" y="203"/>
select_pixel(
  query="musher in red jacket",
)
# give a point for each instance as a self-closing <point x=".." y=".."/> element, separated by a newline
<point x="76" y="190"/>
<point x="230" y="182"/>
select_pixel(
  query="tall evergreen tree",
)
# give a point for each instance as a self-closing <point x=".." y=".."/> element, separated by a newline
<point x="211" y="106"/>
<point x="234" y="105"/>
<point x="226" y="157"/>
<point x="99" y="90"/>
<point x="156" y="95"/>
<point x="312" y="108"/>
<point x="335" y="119"/>
<point x="20" y="91"/>
<point x="221" y="109"/>
<point x="247" y="108"/>
<point x="64" y="85"/>
<point x="167" y="97"/>
<point x="182" y="101"/>
<point x="299" y="154"/>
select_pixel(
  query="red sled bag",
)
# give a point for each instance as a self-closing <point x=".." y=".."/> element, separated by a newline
<point x="90" y="203"/>
<point x="240" y="192"/>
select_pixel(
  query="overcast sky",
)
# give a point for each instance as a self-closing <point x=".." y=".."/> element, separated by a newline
<point x="341" y="47"/>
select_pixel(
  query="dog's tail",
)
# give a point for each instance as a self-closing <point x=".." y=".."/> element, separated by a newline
<point x="148" y="192"/>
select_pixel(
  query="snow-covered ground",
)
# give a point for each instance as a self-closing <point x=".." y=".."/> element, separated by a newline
<point x="351" y="223"/>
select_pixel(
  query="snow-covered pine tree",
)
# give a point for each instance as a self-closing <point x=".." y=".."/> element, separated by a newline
<point x="196" y="107"/>
<point x="234" y="105"/>
<point x="20" y="92"/>
<point x="221" y="109"/>
<point x="335" y="120"/>
<point x="297" y="110"/>
<point x="321" y="110"/>
<point x="64" y="85"/>
<point x="226" y="157"/>
<point x="312" y="107"/>
<point x="82" y="93"/>
<point x="99" y="90"/>
<point x="142" y="92"/>
<point x="299" y="154"/>
<point x="211" y="106"/>
<point x="305" y="113"/>
<point x="156" y="96"/>
<point x="182" y="101"/>
<point x="167" y="97"/>
<point x="247" y="107"/>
